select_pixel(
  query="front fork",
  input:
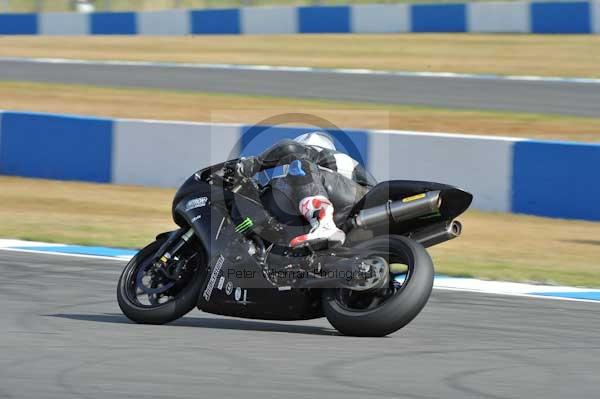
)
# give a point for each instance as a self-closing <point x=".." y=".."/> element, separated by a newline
<point x="179" y="238"/>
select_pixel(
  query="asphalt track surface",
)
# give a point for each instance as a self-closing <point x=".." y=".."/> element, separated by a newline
<point x="553" y="97"/>
<point x="62" y="336"/>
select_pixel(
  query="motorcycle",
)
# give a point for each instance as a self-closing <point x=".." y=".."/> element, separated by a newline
<point x="230" y="255"/>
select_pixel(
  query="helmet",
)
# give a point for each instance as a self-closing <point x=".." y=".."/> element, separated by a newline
<point x="316" y="139"/>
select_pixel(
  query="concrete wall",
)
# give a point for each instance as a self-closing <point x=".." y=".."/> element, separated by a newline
<point x="380" y="18"/>
<point x="596" y="16"/>
<point x="170" y="22"/>
<point x="56" y="146"/>
<point x="513" y="17"/>
<point x="63" y="23"/>
<point x="556" y="179"/>
<point x="481" y="165"/>
<point x="498" y="17"/>
<point x="153" y="153"/>
<point x="269" y="20"/>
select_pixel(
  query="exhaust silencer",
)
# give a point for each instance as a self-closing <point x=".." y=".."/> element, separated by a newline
<point x="400" y="211"/>
<point x="437" y="233"/>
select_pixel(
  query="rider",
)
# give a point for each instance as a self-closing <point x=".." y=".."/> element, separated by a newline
<point x="315" y="168"/>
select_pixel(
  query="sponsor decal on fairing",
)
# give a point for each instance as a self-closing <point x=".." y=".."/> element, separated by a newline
<point x="229" y="288"/>
<point x="213" y="278"/>
<point x="196" y="203"/>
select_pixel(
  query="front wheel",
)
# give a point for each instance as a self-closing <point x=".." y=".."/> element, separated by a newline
<point x="384" y="311"/>
<point x="148" y="296"/>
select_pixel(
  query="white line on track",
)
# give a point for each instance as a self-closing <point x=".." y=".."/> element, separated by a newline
<point x="32" y="251"/>
<point x="284" y="68"/>
<point x="532" y="296"/>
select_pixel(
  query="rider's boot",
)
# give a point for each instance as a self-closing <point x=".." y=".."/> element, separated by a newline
<point x="318" y="210"/>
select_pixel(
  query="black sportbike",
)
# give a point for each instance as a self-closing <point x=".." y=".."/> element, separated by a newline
<point x="230" y="255"/>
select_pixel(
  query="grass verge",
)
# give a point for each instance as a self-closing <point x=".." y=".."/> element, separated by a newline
<point x="545" y="55"/>
<point x="494" y="246"/>
<point x="205" y="107"/>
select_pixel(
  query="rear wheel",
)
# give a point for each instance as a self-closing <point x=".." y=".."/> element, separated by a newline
<point x="147" y="295"/>
<point x="381" y="312"/>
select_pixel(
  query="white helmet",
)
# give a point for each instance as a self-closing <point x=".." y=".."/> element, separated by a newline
<point x="316" y="139"/>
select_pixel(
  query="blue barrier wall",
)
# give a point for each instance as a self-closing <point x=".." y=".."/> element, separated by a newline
<point x="214" y="22"/>
<point x="439" y="18"/>
<point x="56" y="147"/>
<point x="514" y="16"/>
<point x="324" y="19"/>
<point x="113" y="23"/>
<point x="555" y="179"/>
<point x="571" y="17"/>
<point x="18" y="24"/>
<point x="256" y="139"/>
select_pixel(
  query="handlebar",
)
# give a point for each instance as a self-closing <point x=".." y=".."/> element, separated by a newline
<point x="233" y="177"/>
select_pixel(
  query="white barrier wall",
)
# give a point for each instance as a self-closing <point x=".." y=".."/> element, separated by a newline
<point x="497" y="17"/>
<point x="63" y="23"/>
<point x="170" y="22"/>
<point x="380" y="18"/>
<point x="268" y="20"/>
<point x="543" y="17"/>
<point x="166" y="153"/>
<point x="478" y="164"/>
<point x="596" y="16"/>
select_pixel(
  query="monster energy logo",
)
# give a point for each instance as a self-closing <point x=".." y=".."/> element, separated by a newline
<point x="244" y="226"/>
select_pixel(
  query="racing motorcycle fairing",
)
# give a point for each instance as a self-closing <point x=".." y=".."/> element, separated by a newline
<point x="237" y="281"/>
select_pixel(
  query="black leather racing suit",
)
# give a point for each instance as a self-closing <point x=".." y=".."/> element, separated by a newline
<point x="316" y="171"/>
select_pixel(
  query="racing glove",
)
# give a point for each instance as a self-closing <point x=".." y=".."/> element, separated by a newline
<point x="247" y="167"/>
